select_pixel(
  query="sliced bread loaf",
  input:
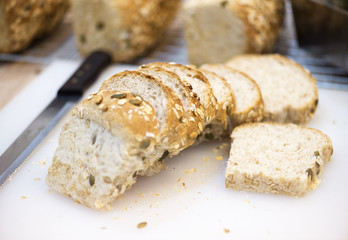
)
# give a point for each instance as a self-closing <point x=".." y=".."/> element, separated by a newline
<point x="216" y="30"/>
<point x="289" y="92"/>
<point x="219" y="127"/>
<point x="168" y="107"/>
<point x="190" y="103"/>
<point x="103" y="144"/>
<point x="199" y="85"/>
<point x="247" y="95"/>
<point x="277" y="158"/>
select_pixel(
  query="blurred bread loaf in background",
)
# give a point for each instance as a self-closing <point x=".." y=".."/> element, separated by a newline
<point x="125" y="29"/>
<point x="216" y="30"/>
<point x="22" y="21"/>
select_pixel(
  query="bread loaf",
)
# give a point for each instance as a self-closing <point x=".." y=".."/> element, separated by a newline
<point x="277" y="158"/>
<point x="21" y="22"/>
<point x="289" y="91"/>
<point x="138" y="118"/>
<point x="216" y="30"/>
<point x="102" y="147"/>
<point x="124" y="29"/>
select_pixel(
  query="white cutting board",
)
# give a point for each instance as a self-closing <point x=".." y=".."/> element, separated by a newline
<point x="187" y="201"/>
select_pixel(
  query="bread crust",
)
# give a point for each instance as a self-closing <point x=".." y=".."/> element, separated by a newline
<point x="191" y="117"/>
<point x="187" y="74"/>
<point x="23" y="21"/>
<point x="124" y="29"/>
<point x="241" y="26"/>
<point x="174" y="130"/>
<point x="219" y="127"/>
<point x="263" y="21"/>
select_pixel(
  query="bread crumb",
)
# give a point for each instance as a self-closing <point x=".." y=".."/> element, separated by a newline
<point x="142" y="225"/>
<point x="206" y="159"/>
<point x="37" y="179"/>
<point x="179" y="179"/>
<point x="184" y="184"/>
<point x="247" y="201"/>
<point x="23" y="197"/>
<point x="126" y="209"/>
<point x="219" y="158"/>
<point x="103" y="228"/>
<point x="192" y="170"/>
<point x="226" y="230"/>
<point x="43" y="162"/>
<point x="141" y="195"/>
<point x="156" y="194"/>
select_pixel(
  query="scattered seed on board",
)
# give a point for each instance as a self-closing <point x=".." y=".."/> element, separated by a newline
<point x="142" y="225"/>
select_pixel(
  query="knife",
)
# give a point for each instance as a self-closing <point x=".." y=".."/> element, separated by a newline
<point x="68" y="95"/>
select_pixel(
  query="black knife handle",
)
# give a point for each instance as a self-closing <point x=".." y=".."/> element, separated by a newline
<point x="85" y="75"/>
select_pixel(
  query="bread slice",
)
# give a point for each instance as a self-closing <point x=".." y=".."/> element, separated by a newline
<point x="200" y="86"/>
<point x="104" y="143"/>
<point x="247" y="95"/>
<point x="124" y="29"/>
<point x="216" y="30"/>
<point x="168" y="107"/>
<point x="277" y="158"/>
<point x="289" y="92"/>
<point x="219" y="127"/>
<point x="190" y="103"/>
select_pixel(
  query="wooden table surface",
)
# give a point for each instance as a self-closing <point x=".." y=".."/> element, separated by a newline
<point x="14" y="77"/>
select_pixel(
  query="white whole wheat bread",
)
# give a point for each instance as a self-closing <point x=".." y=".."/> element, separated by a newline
<point x="289" y="92"/>
<point x="216" y="30"/>
<point x="247" y="96"/>
<point x="168" y="107"/>
<point x="199" y="85"/>
<point x="277" y="158"/>
<point x="220" y="126"/>
<point x="190" y="103"/>
<point x="101" y="148"/>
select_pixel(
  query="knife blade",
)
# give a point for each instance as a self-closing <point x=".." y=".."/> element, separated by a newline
<point x="68" y="95"/>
